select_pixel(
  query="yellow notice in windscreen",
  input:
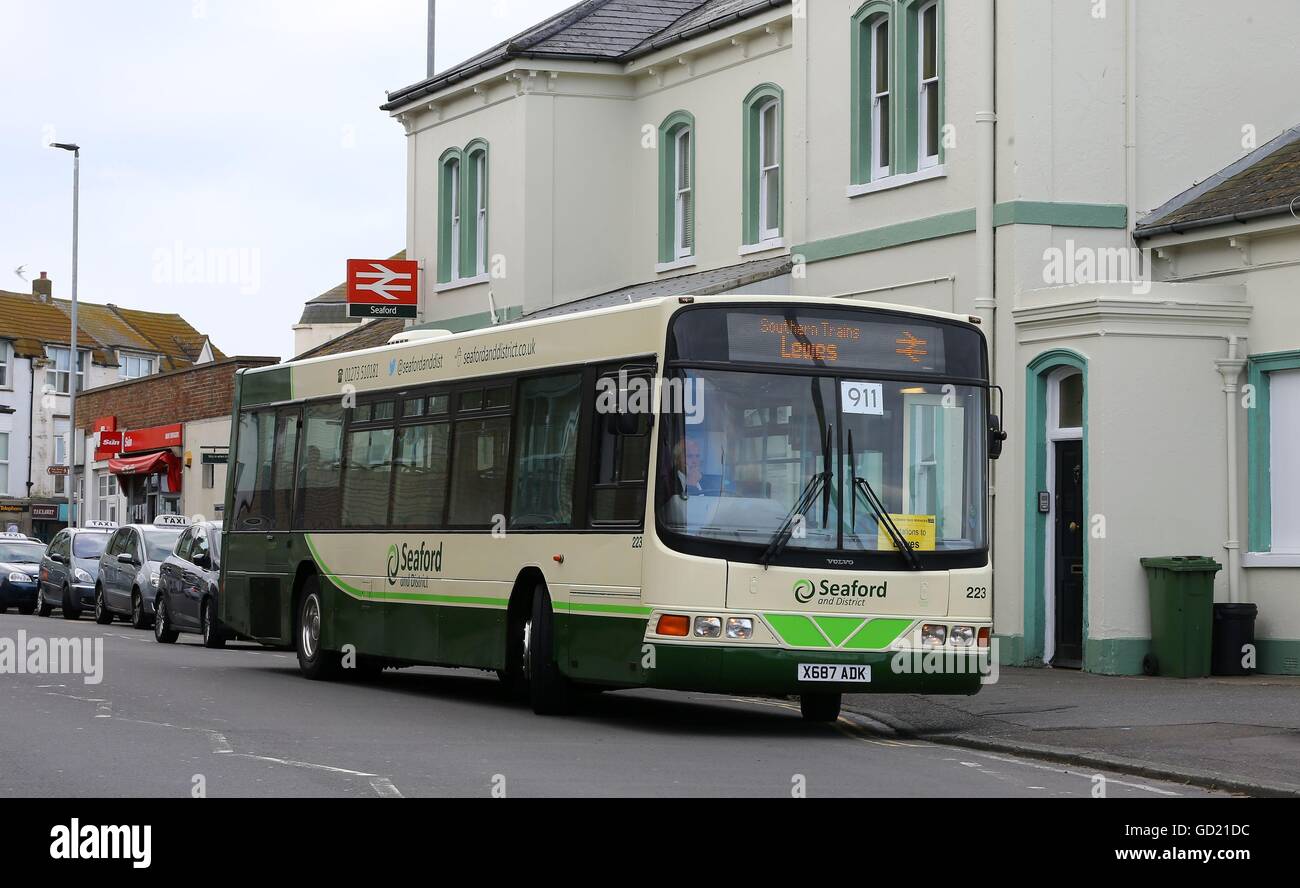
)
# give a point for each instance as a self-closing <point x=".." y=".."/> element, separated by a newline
<point x="918" y="530"/>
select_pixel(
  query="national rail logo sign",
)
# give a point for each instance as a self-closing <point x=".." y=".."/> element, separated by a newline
<point x="383" y="288"/>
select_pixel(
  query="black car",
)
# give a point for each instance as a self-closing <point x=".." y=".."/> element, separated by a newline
<point x="20" y="568"/>
<point x="188" y="585"/>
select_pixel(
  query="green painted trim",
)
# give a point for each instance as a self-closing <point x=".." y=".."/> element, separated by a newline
<point x="470" y="323"/>
<point x="1278" y="656"/>
<point x="961" y="222"/>
<point x="1115" y="656"/>
<point x="883" y="238"/>
<point x="668" y="130"/>
<point x="797" y="631"/>
<point x="863" y="61"/>
<point x="270" y="386"/>
<point x="1035" y="459"/>
<point x="469" y="190"/>
<point x="1065" y="215"/>
<point x="445" y="246"/>
<point x="1011" y="650"/>
<point x="1259" y="446"/>
<point x="751" y="163"/>
<point x="620" y="609"/>
<point x="879" y="634"/>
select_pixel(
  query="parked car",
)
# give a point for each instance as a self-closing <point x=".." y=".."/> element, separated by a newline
<point x="70" y="568"/>
<point x="128" y="570"/>
<point x="188" y="584"/>
<point x="20" y="568"/>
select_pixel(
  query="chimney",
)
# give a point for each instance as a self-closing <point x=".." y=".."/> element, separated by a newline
<point x="43" y="288"/>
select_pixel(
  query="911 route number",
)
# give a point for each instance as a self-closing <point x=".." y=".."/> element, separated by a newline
<point x="823" y="672"/>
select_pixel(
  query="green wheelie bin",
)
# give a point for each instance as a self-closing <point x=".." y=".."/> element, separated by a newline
<point x="1182" y="615"/>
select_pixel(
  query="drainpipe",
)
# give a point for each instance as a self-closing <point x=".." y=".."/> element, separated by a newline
<point x="1130" y="114"/>
<point x="1230" y="369"/>
<point x="986" y="119"/>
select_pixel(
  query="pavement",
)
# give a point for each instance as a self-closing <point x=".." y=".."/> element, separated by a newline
<point x="1236" y="734"/>
<point x="179" y="720"/>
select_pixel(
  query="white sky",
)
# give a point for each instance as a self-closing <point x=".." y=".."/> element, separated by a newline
<point x="248" y="131"/>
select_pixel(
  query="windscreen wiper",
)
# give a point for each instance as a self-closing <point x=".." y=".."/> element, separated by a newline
<point x="863" y="486"/>
<point x="818" y="483"/>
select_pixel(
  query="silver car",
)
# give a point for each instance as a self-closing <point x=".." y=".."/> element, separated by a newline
<point x="128" y="570"/>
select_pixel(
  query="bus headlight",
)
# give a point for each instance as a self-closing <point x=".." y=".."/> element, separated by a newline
<point x="963" y="636"/>
<point x="741" y="628"/>
<point x="933" y="635"/>
<point x="708" y="627"/>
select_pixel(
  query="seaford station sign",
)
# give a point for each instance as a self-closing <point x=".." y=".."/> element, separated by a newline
<point x="383" y="288"/>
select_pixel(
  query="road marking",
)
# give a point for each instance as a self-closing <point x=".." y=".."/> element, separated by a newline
<point x="1065" y="770"/>
<point x="104" y="710"/>
<point x="385" y="788"/>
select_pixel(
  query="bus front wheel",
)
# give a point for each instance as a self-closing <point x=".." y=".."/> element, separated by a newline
<point x="548" y="689"/>
<point x="820" y="707"/>
<point x="315" y="662"/>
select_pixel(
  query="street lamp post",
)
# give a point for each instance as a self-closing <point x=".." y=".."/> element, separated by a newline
<point x="75" y="363"/>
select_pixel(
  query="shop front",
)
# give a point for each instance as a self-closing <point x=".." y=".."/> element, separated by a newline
<point x="146" y="467"/>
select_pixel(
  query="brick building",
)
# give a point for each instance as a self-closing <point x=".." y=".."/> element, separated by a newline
<point x="160" y="443"/>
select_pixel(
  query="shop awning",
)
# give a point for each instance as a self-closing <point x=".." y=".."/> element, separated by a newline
<point x="164" y="463"/>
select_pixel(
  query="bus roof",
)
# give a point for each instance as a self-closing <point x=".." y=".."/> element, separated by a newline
<point x="650" y="305"/>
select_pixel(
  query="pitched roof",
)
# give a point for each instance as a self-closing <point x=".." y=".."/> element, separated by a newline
<point x="31" y="324"/>
<point x="596" y="30"/>
<point x="369" y="335"/>
<point x="172" y="336"/>
<point x="1264" y="183"/>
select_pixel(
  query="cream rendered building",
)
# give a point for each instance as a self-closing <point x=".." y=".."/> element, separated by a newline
<point x="989" y="157"/>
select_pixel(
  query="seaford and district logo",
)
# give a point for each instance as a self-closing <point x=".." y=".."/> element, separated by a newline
<point x="409" y="566"/>
<point x="854" y="594"/>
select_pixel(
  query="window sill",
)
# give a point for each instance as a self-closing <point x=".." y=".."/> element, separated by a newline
<point x="462" y="282"/>
<point x="890" y="182"/>
<point x="776" y="243"/>
<point x="663" y="267"/>
<point x="1270" y="559"/>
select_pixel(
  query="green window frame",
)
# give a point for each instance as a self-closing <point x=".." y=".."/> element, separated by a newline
<point x="889" y="117"/>
<point x="761" y="163"/>
<point x="474" y="216"/>
<point x="463" y="213"/>
<point x="677" y="206"/>
<point x="1259" y="433"/>
<point x="450" y="204"/>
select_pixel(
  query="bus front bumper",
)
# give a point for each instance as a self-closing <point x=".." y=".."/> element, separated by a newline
<point x="775" y="671"/>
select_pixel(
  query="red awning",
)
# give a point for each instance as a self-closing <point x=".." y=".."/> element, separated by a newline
<point x="164" y="463"/>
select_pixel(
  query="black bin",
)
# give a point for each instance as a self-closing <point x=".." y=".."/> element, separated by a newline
<point x="1234" y="628"/>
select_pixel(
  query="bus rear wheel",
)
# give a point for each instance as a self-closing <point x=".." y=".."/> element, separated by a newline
<point x="548" y="690"/>
<point x="316" y="663"/>
<point x="820" y="708"/>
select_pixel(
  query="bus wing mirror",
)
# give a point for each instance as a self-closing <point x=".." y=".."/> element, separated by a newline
<point x="997" y="436"/>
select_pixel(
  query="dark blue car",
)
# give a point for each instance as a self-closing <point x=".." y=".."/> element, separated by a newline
<point x="20" y="568"/>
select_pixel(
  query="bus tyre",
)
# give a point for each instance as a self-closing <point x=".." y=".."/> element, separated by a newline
<point x="316" y="663"/>
<point x="820" y="707"/>
<point x="103" y="616"/>
<point x="548" y="690"/>
<point x="213" y="636"/>
<point x="163" y="633"/>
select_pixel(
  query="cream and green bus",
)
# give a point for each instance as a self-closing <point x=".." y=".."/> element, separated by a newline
<point x="737" y="495"/>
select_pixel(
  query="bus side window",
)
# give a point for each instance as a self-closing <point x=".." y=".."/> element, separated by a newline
<point x="284" y="480"/>
<point x="368" y="469"/>
<point x="622" y="460"/>
<point x="319" y="492"/>
<point x="253" y="465"/>
<point x="546" y="451"/>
